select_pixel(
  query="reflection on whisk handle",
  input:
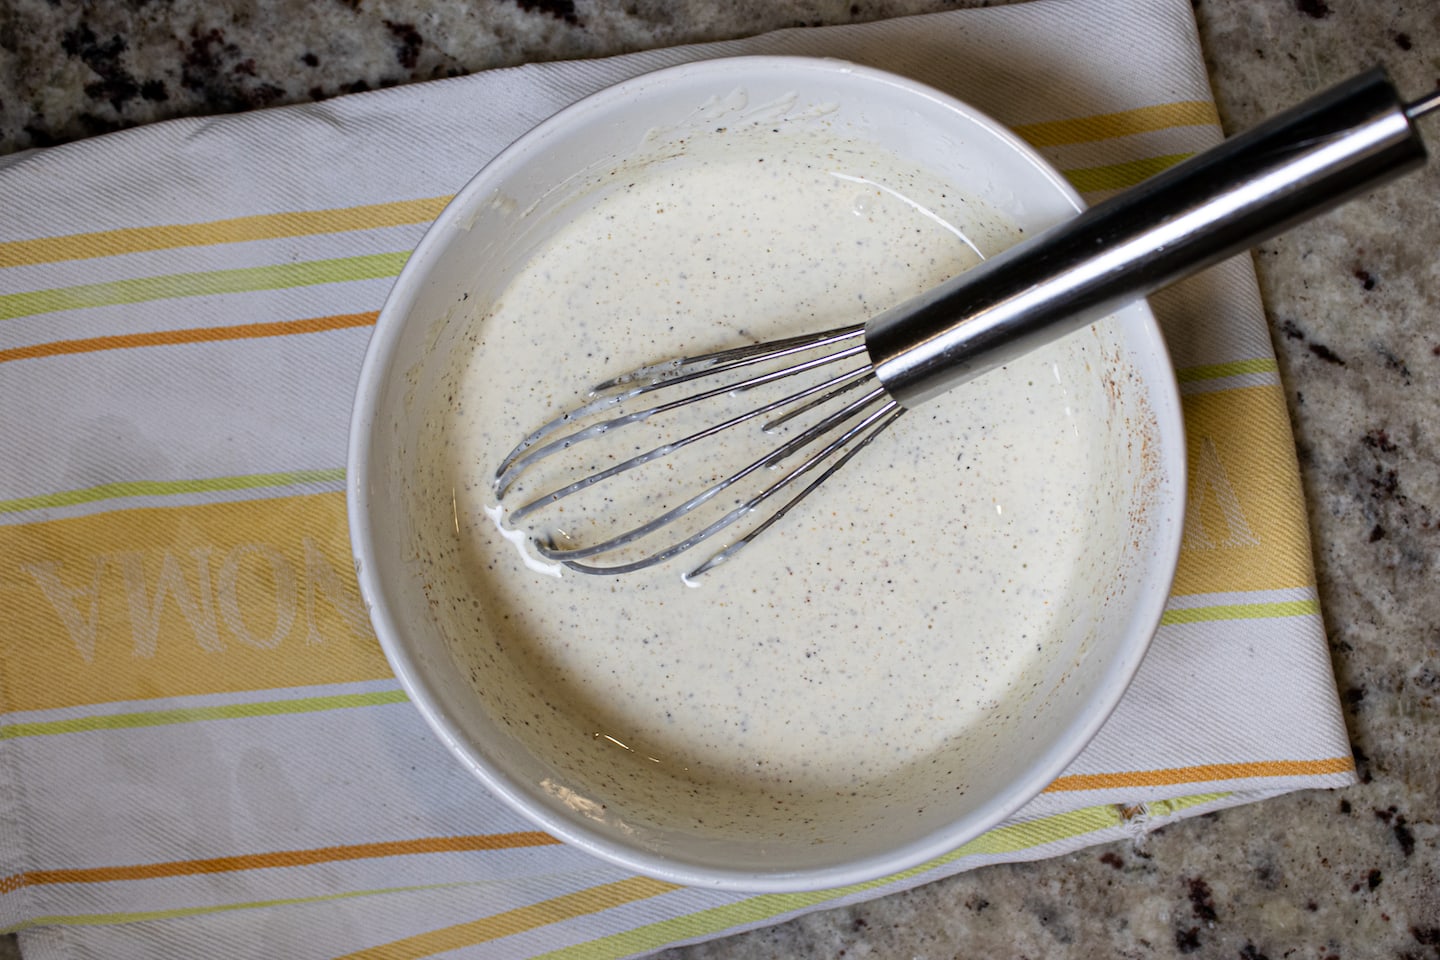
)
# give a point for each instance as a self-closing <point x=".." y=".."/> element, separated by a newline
<point x="1295" y="166"/>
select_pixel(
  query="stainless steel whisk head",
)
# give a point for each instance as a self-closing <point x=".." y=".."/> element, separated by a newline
<point x="1346" y="140"/>
<point x="824" y="379"/>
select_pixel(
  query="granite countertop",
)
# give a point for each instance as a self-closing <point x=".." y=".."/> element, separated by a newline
<point x="1352" y="301"/>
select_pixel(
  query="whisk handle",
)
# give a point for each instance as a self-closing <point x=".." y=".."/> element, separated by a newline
<point x="1346" y="140"/>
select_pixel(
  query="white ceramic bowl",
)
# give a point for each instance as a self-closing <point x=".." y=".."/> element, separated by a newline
<point x="480" y="240"/>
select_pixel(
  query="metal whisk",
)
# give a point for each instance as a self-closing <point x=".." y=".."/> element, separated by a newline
<point x="846" y="386"/>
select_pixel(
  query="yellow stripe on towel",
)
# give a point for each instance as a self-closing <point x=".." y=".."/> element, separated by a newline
<point x="122" y="489"/>
<point x="518" y="920"/>
<point x="265" y="226"/>
<point x="1105" y="126"/>
<point x="278" y="276"/>
<point x="216" y="598"/>
<point x="136" y="719"/>
<point x="1245" y="523"/>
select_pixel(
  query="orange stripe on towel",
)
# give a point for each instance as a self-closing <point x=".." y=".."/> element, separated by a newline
<point x="1205" y="773"/>
<point x="159" y="338"/>
<point x="282" y="858"/>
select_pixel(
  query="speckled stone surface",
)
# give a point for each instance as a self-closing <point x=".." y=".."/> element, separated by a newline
<point x="1354" y="302"/>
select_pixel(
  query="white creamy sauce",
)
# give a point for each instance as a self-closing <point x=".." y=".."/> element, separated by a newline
<point x="895" y="619"/>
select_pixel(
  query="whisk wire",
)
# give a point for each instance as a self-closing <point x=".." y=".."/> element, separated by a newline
<point x="849" y="379"/>
<point x="674" y="373"/>
<point x="519" y="460"/>
<point x="890" y="407"/>
<point x="566" y="555"/>
<point x="773" y="425"/>
<point x="720" y="361"/>
<point x="895" y="413"/>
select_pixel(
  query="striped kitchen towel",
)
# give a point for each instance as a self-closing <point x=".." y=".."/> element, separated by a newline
<point x="203" y="750"/>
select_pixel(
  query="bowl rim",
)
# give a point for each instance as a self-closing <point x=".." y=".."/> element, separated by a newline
<point x="919" y="853"/>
